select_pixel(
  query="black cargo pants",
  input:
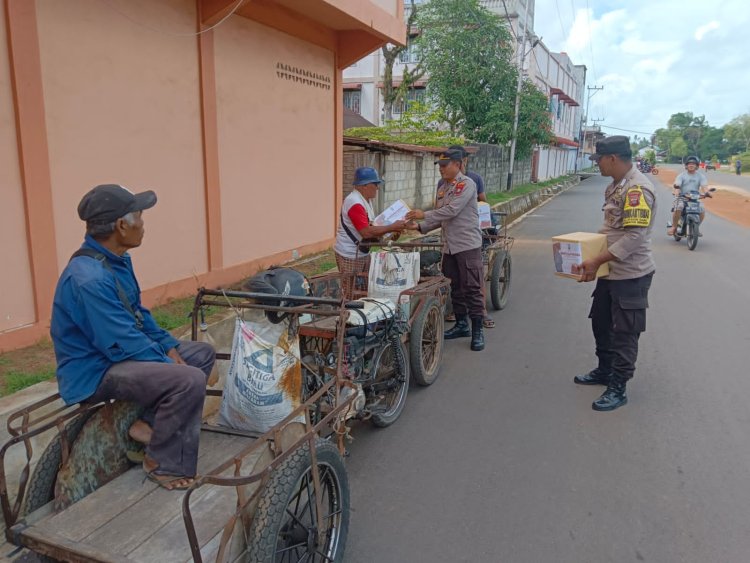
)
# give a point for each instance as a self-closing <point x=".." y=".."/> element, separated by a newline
<point x="618" y="317"/>
<point x="466" y="272"/>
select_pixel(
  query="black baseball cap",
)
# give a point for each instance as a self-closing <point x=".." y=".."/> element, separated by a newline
<point x="461" y="148"/>
<point x="618" y="145"/>
<point x="108" y="202"/>
<point x="451" y="154"/>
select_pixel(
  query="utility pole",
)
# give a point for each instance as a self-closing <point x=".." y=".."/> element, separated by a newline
<point x="591" y="91"/>
<point x="521" y="58"/>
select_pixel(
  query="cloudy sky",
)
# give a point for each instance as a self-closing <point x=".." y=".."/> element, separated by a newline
<point x="655" y="57"/>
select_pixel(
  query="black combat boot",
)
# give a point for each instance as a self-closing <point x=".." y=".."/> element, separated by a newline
<point x="597" y="376"/>
<point x="614" y="397"/>
<point x="460" y="329"/>
<point x="477" y="334"/>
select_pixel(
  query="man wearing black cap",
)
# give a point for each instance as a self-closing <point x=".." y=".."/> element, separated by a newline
<point x="108" y="345"/>
<point x="618" y="311"/>
<point x="456" y="212"/>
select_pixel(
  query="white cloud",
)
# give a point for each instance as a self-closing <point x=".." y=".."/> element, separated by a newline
<point x="654" y="59"/>
<point x="702" y="30"/>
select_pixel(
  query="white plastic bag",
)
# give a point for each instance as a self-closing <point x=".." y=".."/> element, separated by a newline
<point x="264" y="383"/>
<point x="391" y="273"/>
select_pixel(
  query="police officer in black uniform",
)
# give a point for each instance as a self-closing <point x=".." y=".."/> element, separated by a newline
<point x="618" y="311"/>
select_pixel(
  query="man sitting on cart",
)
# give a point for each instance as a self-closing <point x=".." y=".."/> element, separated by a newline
<point x="108" y="345"/>
<point x="355" y="226"/>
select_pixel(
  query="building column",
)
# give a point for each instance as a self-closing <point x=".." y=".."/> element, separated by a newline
<point x="210" y="134"/>
<point x="33" y="152"/>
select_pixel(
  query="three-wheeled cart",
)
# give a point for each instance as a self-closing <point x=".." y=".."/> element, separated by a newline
<point x="279" y="496"/>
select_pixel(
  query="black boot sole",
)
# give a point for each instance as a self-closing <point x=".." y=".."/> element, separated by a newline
<point x="477" y="348"/>
<point x="454" y="336"/>
<point x="610" y="407"/>
<point x="578" y="381"/>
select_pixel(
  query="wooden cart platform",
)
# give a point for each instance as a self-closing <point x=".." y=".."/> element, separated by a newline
<point x="130" y="519"/>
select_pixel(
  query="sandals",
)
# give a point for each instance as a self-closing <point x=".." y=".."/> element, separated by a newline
<point x="170" y="482"/>
<point x="165" y="480"/>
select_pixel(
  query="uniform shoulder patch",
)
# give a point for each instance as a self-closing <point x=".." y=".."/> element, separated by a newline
<point x="636" y="210"/>
<point x="460" y="187"/>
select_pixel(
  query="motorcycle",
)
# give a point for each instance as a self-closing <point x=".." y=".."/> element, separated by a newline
<point x="690" y="220"/>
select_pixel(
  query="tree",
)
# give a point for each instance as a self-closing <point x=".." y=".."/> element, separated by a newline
<point x="467" y="51"/>
<point x="392" y="95"/>
<point x="737" y="132"/>
<point x="678" y="148"/>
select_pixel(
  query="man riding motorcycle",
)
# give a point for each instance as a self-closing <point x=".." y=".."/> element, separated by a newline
<point x="692" y="180"/>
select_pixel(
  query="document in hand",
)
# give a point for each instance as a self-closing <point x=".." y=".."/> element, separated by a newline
<point x="395" y="212"/>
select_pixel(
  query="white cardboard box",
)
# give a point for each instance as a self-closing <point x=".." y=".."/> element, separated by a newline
<point x="574" y="248"/>
<point x="485" y="215"/>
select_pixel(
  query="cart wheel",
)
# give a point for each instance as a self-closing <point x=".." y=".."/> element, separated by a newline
<point x="41" y="487"/>
<point x="500" y="280"/>
<point x="426" y="343"/>
<point x="392" y="367"/>
<point x="284" y="527"/>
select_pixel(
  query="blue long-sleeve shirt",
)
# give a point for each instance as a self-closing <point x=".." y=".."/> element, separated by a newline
<point x="91" y="328"/>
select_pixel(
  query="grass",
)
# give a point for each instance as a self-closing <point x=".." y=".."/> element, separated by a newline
<point x="498" y="197"/>
<point x="27" y="366"/>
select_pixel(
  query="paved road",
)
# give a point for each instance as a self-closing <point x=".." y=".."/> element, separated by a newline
<point x="503" y="460"/>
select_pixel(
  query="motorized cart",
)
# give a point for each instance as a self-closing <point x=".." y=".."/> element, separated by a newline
<point x="282" y="495"/>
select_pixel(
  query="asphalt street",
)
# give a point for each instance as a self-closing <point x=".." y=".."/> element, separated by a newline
<point x="503" y="459"/>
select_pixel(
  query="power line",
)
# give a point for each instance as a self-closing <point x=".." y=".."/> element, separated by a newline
<point x="559" y="18"/>
<point x="172" y="33"/>
<point x="628" y="130"/>
<point x="591" y="40"/>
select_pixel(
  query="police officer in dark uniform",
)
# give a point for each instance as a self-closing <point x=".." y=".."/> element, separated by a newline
<point x="456" y="212"/>
<point x="618" y="311"/>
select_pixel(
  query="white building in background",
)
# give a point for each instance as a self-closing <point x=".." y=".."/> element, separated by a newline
<point x="553" y="73"/>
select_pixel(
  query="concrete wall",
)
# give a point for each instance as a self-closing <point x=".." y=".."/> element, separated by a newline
<point x="238" y="129"/>
<point x="413" y="176"/>
<point x="276" y="139"/>
<point x="17" y="303"/>
<point x="122" y="106"/>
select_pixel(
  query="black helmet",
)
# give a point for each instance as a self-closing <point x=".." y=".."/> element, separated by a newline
<point x="278" y="281"/>
<point x="693" y="160"/>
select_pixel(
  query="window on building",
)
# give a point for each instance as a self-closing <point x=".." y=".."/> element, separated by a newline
<point x="353" y="100"/>
<point x="413" y="95"/>
<point x="410" y="54"/>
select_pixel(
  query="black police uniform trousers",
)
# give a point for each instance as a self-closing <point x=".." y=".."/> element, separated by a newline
<point x="466" y="272"/>
<point x="618" y="317"/>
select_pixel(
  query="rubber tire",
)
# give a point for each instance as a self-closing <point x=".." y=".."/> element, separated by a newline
<point x="692" y="237"/>
<point x="655" y="171"/>
<point x="382" y="420"/>
<point x="41" y="487"/>
<point x="499" y="293"/>
<point x="278" y="492"/>
<point x="419" y="372"/>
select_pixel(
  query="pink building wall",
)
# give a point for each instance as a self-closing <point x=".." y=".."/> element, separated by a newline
<point x="16" y="297"/>
<point x="238" y="131"/>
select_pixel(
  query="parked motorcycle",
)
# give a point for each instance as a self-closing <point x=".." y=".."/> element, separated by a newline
<point x="690" y="220"/>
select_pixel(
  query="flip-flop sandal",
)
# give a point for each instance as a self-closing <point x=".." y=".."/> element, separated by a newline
<point x="167" y="481"/>
<point x="136" y="456"/>
<point x="488" y="323"/>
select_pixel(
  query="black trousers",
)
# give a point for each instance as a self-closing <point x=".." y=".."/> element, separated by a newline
<point x="466" y="272"/>
<point x="174" y="394"/>
<point x="618" y="317"/>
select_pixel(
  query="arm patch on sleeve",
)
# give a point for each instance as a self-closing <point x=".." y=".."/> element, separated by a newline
<point x="637" y="211"/>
